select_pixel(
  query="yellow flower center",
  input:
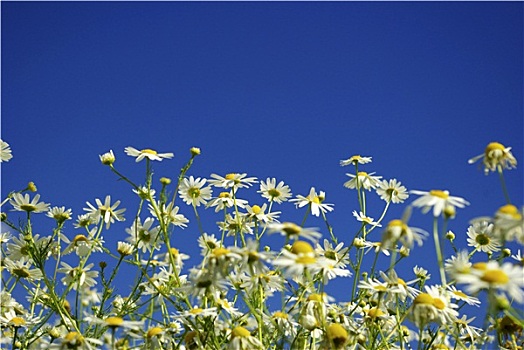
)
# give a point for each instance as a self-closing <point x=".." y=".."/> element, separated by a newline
<point x="230" y="176"/>
<point x="375" y="312"/>
<point x="223" y="195"/>
<point x="439" y="193"/>
<point x="196" y="311"/>
<point x="495" y="276"/>
<point x="480" y="265"/>
<point x="316" y="200"/>
<point x="256" y="209"/>
<point x="362" y="173"/>
<point x="439" y="304"/>
<point x="482" y="239"/>
<point x="193" y="192"/>
<point x="114" y="321"/>
<point x="315" y="297"/>
<point x="175" y="252"/>
<point x="279" y="314"/>
<point x="398" y="223"/>
<point x="460" y="294"/>
<point x="17" y="321"/>
<point x="291" y="229"/>
<point x="154" y="332"/>
<point x="305" y="260"/>
<point x="74" y="337"/>
<point x="337" y="334"/>
<point x="402" y="282"/>
<point x="380" y="288"/>
<point x="149" y="151"/>
<point x="80" y="238"/>
<point x="301" y="247"/>
<point x="274" y="192"/>
<point x="220" y="251"/>
<point x="511" y="210"/>
<point x="423" y="298"/>
<point x="493" y="146"/>
<point x="240" y="332"/>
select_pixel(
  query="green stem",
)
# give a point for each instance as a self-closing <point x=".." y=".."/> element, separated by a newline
<point x="439" y="252"/>
<point x="503" y="184"/>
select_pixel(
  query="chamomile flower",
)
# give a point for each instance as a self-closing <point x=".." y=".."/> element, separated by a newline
<point x="60" y="214"/>
<point x="5" y="151"/>
<point x="363" y="180"/>
<point x="235" y="224"/>
<point x="259" y="214"/>
<point x="107" y="158"/>
<point x="509" y="223"/>
<point x="75" y="340"/>
<point x="314" y="201"/>
<point x="207" y="243"/>
<point x="460" y="295"/>
<point x="458" y="264"/>
<point x="144" y="236"/>
<point x="105" y="211"/>
<point x="302" y="256"/>
<point x="232" y="180"/>
<point x="22" y="269"/>
<point x="496" y="155"/>
<point x="481" y="237"/>
<point x="366" y="220"/>
<point x="147" y="153"/>
<point x="273" y="192"/>
<point x="78" y="276"/>
<point x="144" y="192"/>
<point x="338" y="255"/>
<point x="82" y="244"/>
<point x="438" y="200"/>
<point x="433" y="306"/>
<point x="356" y="159"/>
<point x="84" y="220"/>
<point x="392" y="191"/>
<point x="193" y="192"/>
<point x="505" y="277"/>
<point x="115" y="322"/>
<point x="241" y="339"/>
<point x="169" y="213"/>
<point x="293" y="231"/>
<point x="398" y="231"/>
<point x="15" y="320"/>
<point x="22" y="202"/>
<point x="226" y="200"/>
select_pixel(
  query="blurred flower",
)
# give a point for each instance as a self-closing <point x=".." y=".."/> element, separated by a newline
<point x="60" y="214"/>
<point x="195" y="151"/>
<point x="494" y="156"/>
<point x="258" y="213"/>
<point x="78" y="276"/>
<point x="507" y="277"/>
<point x="241" y="339"/>
<point x="509" y="223"/>
<point x="5" y="151"/>
<point x="315" y="201"/>
<point x="232" y="180"/>
<point x="338" y="255"/>
<point x="363" y="180"/>
<point x="226" y="200"/>
<point x="107" y="212"/>
<point x="273" y="192"/>
<point x="481" y="237"/>
<point x="398" y="231"/>
<point x="365" y="219"/>
<point x="16" y="320"/>
<point x="460" y="295"/>
<point x="193" y="192"/>
<point x="107" y="158"/>
<point x="147" y="153"/>
<point x="356" y="159"/>
<point x="302" y="256"/>
<point x="392" y="191"/>
<point x="293" y="231"/>
<point x="438" y="200"/>
<point x="22" y="202"/>
<point x="22" y="269"/>
<point x="433" y="306"/>
<point x="458" y="264"/>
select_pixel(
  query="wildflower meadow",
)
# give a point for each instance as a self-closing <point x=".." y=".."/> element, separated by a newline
<point x="59" y="288"/>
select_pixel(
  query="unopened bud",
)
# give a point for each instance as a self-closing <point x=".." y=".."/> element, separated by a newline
<point x="165" y="181"/>
<point x="195" y="151"/>
<point x="450" y="236"/>
<point x="31" y="186"/>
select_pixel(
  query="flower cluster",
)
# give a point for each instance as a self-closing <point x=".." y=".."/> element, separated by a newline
<point x="239" y="292"/>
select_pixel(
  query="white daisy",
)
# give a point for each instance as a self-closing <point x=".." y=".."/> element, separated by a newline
<point x="77" y="276"/>
<point x="241" y="339"/>
<point x="438" y="200"/>
<point x="366" y="220"/>
<point x="232" y="180"/>
<point x="302" y="256"/>
<point x="293" y="231"/>
<point x="363" y="180"/>
<point x="60" y="214"/>
<point x="392" y="191"/>
<point x="170" y="215"/>
<point x="105" y="211"/>
<point x="259" y="213"/>
<point x="22" y="202"/>
<point x="509" y="223"/>
<point x="147" y="153"/>
<point x="144" y="236"/>
<point x="507" y="277"/>
<point x="226" y="200"/>
<point x="481" y="237"/>
<point x="496" y="155"/>
<point x="339" y="254"/>
<point x="356" y="159"/>
<point x="398" y="231"/>
<point x="314" y="201"/>
<point x="458" y="264"/>
<point x="273" y="192"/>
<point x="144" y="192"/>
<point x="460" y="295"/>
<point x="5" y="151"/>
<point x="192" y="191"/>
<point x="22" y="269"/>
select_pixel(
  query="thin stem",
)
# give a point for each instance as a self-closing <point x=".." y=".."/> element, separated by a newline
<point x="439" y="252"/>
<point x="503" y="184"/>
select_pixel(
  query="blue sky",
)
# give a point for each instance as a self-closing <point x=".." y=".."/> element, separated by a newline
<point x="282" y="89"/>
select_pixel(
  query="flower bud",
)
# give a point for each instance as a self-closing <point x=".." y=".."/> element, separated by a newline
<point x="107" y="158"/>
<point x="165" y="181"/>
<point x="31" y="186"/>
<point x="450" y="236"/>
<point x="195" y="151"/>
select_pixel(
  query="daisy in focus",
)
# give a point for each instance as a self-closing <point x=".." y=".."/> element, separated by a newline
<point x="147" y="153"/>
<point x="232" y="180"/>
<point x="439" y="200"/>
<point x="496" y="155"/>
<point x="107" y="212"/>
<point x="315" y="201"/>
<point x="5" y="151"/>
<point x="22" y="202"/>
<point x="363" y="180"/>
<point x="273" y="192"/>
<point x="192" y="191"/>
<point x="481" y="237"/>
<point x="392" y="191"/>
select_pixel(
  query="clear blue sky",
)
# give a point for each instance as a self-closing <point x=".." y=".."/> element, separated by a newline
<point x="272" y="89"/>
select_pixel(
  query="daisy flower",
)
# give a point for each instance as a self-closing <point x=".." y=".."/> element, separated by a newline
<point x="363" y="180"/>
<point x="458" y="264"/>
<point x="78" y="277"/>
<point x="232" y="180"/>
<point x="105" y="211"/>
<point x="16" y="320"/>
<point x="170" y="215"/>
<point x="392" y="191"/>
<point x="115" y="322"/>
<point x="144" y="236"/>
<point x="438" y="200"/>
<point x="315" y="202"/>
<point x="60" y="214"/>
<point x="147" y="153"/>
<point x="192" y="191"/>
<point x="398" y="231"/>
<point x="293" y="231"/>
<point x="509" y="223"/>
<point x="75" y="340"/>
<point x="433" y="306"/>
<point x="22" y="269"/>
<point x="302" y="256"/>
<point x="356" y="159"/>
<point x="241" y="339"/>
<point x="259" y="213"/>
<point x="144" y="192"/>
<point x="460" y="295"/>
<point x="481" y="237"/>
<point x="507" y="277"/>
<point x="22" y="202"/>
<point x="5" y="151"/>
<point x="83" y="245"/>
<point x="338" y="254"/>
<point x="367" y="220"/>
<point x="226" y="200"/>
<point x="207" y="243"/>
<point x="107" y="158"/>
<point x="496" y="155"/>
<point x="198" y="312"/>
<point x="234" y="224"/>
<point x="273" y="192"/>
